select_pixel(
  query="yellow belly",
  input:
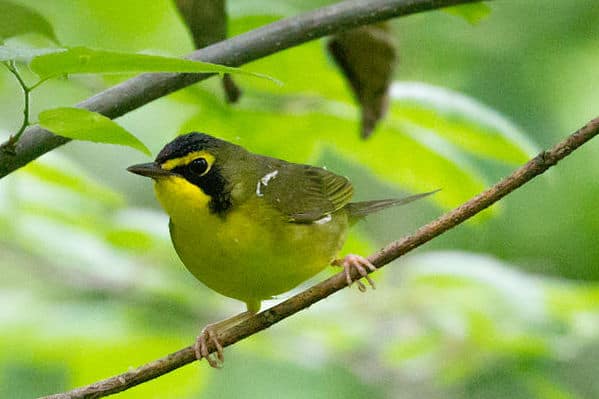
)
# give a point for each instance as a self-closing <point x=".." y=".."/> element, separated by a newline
<point x="252" y="253"/>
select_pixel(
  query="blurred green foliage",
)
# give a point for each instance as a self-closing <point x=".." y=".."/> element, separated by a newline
<point x="505" y="306"/>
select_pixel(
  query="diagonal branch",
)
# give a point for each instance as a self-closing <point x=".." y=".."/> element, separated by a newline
<point x="269" y="39"/>
<point x="303" y="300"/>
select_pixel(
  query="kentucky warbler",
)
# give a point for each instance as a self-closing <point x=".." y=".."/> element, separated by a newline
<point x="250" y="226"/>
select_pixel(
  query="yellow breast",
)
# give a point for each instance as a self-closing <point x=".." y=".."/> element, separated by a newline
<point x="251" y="253"/>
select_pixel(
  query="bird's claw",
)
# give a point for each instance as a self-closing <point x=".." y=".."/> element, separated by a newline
<point x="360" y="264"/>
<point x="201" y="348"/>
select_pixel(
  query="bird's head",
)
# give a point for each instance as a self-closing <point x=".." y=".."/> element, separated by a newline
<point x="192" y="168"/>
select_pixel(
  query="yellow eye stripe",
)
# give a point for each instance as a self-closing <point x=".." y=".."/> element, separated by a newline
<point x="182" y="161"/>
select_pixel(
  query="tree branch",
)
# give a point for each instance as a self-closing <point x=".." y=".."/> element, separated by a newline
<point x="133" y="93"/>
<point x="267" y="318"/>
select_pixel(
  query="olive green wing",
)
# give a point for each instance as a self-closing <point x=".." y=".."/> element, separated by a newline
<point x="303" y="193"/>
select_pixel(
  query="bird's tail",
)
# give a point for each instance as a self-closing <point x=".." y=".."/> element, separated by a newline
<point x="358" y="210"/>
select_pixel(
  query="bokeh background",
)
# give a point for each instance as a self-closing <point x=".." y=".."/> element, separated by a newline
<point x="506" y="305"/>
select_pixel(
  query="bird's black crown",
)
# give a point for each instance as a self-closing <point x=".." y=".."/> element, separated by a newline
<point x="187" y="143"/>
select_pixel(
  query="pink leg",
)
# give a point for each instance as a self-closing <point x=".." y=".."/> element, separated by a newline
<point x="201" y="347"/>
<point x="360" y="264"/>
<point x="210" y="334"/>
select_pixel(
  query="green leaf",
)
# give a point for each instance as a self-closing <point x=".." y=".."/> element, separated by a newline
<point x="16" y="20"/>
<point x="24" y="54"/>
<point x="421" y="109"/>
<point x="81" y="124"/>
<point x="86" y="60"/>
<point x="473" y="13"/>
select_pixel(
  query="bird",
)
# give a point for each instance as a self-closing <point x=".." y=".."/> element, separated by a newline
<point x="250" y="226"/>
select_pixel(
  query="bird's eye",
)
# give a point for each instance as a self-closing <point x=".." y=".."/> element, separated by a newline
<point x="198" y="166"/>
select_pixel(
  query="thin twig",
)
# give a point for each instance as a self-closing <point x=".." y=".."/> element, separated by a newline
<point x="133" y="93"/>
<point x="9" y="146"/>
<point x="267" y="318"/>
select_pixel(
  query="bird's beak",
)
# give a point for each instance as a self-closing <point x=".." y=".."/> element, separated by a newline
<point x="150" y="169"/>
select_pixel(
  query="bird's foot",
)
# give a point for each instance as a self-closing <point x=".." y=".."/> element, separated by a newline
<point x="208" y="334"/>
<point x="359" y="263"/>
